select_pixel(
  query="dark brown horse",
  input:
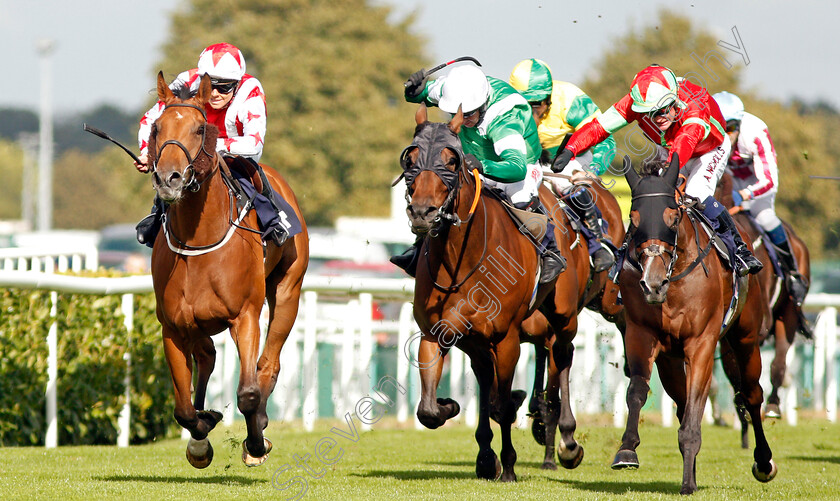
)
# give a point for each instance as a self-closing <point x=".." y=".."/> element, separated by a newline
<point x="679" y="301"/>
<point x="597" y="293"/>
<point x="211" y="274"/>
<point x="787" y="317"/>
<point x="476" y="283"/>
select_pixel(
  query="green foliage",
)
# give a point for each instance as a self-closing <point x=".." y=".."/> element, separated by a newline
<point x="332" y="73"/>
<point x="806" y="141"/>
<point x="92" y="343"/>
<point x="11" y="160"/>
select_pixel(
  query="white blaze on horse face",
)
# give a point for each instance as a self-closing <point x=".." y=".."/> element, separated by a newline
<point x="178" y="115"/>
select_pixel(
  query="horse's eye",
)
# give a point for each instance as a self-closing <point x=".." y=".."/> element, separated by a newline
<point x="201" y="129"/>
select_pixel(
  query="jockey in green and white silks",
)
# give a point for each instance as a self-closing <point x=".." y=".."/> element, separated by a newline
<point x="504" y="137"/>
<point x="500" y="132"/>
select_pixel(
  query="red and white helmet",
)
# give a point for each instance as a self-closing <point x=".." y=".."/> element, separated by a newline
<point x="654" y="88"/>
<point x="223" y="61"/>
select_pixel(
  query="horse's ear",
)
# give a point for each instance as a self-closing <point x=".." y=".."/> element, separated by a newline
<point x="163" y="90"/>
<point x="673" y="171"/>
<point x="205" y="88"/>
<point x="630" y="173"/>
<point x="421" y="116"/>
<point x="457" y="121"/>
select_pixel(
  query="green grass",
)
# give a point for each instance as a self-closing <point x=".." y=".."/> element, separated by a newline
<point x="391" y="463"/>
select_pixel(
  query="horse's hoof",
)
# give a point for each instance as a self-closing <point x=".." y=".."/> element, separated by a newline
<point x="625" y="458"/>
<point x="517" y="398"/>
<point x="450" y="404"/>
<point x="570" y="458"/>
<point x="538" y="430"/>
<point x="772" y="412"/>
<point x="199" y="453"/>
<point x="548" y="465"/>
<point x="250" y="460"/>
<point x="765" y="477"/>
<point x="488" y="466"/>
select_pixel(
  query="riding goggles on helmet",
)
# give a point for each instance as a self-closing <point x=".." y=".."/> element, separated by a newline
<point x="223" y="86"/>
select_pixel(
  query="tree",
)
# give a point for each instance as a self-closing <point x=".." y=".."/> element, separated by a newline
<point x="332" y="73"/>
<point x="806" y="145"/>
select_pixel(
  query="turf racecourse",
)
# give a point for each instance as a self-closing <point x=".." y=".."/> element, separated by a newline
<point x="392" y="463"/>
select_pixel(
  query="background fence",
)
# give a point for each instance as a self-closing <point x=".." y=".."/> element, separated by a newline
<point x="351" y="333"/>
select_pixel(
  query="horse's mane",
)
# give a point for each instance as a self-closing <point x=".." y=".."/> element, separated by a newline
<point x="652" y="167"/>
<point x="183" y="92"/>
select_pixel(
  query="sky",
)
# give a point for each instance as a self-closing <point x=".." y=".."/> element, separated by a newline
<point x="106" y="51"/>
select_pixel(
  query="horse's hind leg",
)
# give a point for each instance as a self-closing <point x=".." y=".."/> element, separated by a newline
<point x="283" y="307"/>
<point x="204" y="353"/>
<point x="785" y="330"/>
<point x="733" y="374"/>
<point x="198" y="423"/>
<point x="550" y="412"/>
<point x="751" y="396"/>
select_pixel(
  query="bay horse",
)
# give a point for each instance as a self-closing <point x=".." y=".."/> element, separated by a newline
<point x="599" y="294"/>
<point x="679" y="301"/>
<point x="476" y="282"/>
<point x="211" y="273"/>
<point x="786" y="315"/>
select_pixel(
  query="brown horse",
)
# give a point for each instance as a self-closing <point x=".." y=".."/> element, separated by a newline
<point x="476" y="282"/>
<point x="599" y="294"/>
<point x="210" y="274"/>
<point x="787" y="317"/>
<point x="679" y="301"/>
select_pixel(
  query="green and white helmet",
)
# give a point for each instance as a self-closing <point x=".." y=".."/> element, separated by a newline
<point x="465" y="86"/>
<point x="654" y="88"/>
<point x="532" y="78"/>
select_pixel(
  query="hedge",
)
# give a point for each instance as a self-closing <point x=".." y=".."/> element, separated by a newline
<point x="92" y="342"/>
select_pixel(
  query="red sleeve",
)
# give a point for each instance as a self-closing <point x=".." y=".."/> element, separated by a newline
<point x="587" y="136"/>
<point x="685" y="142"/>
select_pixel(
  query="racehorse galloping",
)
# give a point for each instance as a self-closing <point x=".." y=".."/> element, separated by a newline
<point x="597" y="293"/>
<point x="209" y="274"/>
<point x="476" y="283"/>
<point x="787" y="316"/>
<point x="677" y="296"/>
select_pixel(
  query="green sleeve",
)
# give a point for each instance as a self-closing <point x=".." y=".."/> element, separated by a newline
<point x="581" y="109"/>
<point x="602" y="155"/>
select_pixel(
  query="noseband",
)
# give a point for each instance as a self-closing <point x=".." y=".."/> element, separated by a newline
<point x="192" y="184"/>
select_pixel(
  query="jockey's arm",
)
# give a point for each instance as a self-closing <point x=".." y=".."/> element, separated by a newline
<point x="251" y="113"/>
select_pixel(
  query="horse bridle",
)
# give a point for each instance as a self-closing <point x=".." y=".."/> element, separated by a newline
<point x="192" y="184"/>
<point x="656" y="250"/>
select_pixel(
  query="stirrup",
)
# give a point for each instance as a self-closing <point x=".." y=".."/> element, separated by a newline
<point x="276" y="234"/>
<point x="602" y="259"/>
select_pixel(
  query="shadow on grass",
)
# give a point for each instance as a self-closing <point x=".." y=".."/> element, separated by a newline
<point x="523" y="464"/>
<point x="216" y="479"/>
<point x="622" y="487"/>
<point x="817" y="459"/>
<point x="417" y="475"/>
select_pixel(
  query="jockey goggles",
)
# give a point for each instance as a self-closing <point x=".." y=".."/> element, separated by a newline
<point x="223" y="86"/>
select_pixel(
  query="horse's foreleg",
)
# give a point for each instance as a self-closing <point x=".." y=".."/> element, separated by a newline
<point x="198" y="423"/>
<point x="700" y="359"/>
<point x="571" y="453"/>
<point x="672" y="376"/>
<point x="432" y="412"/>
<point x="487" y="465"/>
<point x="246" y="334"/>
<point x="204" y="353"/>
<point x="507" y="355"/>
<point x="640" y="351"/>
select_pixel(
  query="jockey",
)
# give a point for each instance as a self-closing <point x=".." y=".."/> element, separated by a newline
<point x="560" y="108"/>
<point x="237" y="108"/>
<point x="681" y="119"/>
<point x="755" y="177"/>
<point x="499" y="138"/>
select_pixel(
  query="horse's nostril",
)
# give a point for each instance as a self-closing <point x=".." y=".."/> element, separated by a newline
<point x="173" y="177"/>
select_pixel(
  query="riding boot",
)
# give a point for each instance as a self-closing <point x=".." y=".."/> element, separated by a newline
<point x="796" y="283"/>
<point x="407" y="261"/>
<point x="600" y="255"/>
<point x="553" y="263"/>
<point x="149" y="226"/>
<point x="267" y="207"/>
<point x="745" y="261"/>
